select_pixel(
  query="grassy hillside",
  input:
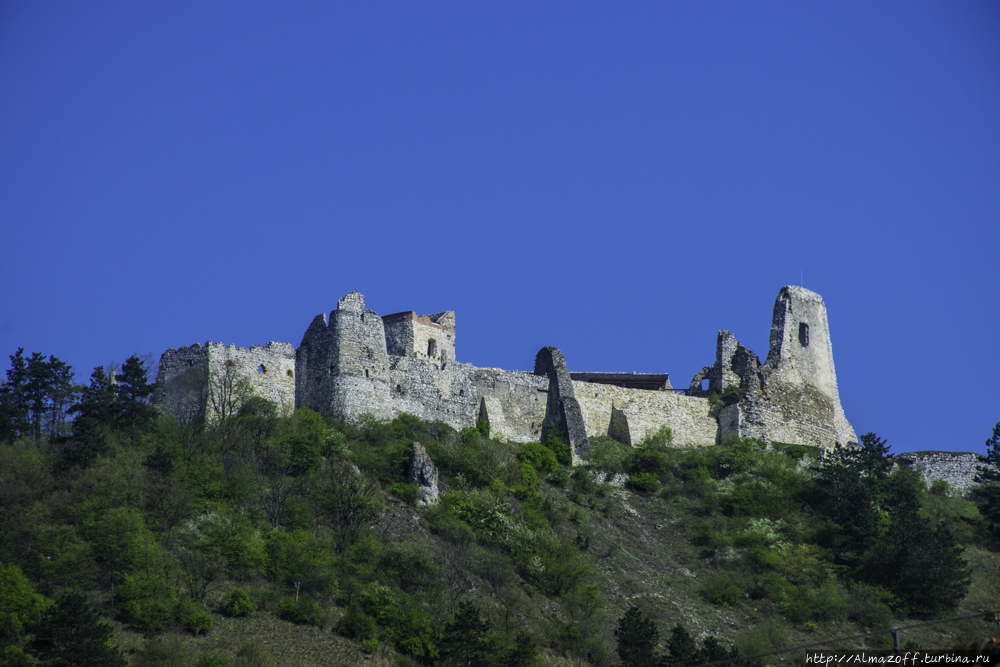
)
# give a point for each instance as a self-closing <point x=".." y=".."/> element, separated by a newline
<point x="272" y="539"/>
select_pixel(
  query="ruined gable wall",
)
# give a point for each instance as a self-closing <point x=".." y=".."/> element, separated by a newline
<point x="645" y="412"/>
<point x="957" y="468"/>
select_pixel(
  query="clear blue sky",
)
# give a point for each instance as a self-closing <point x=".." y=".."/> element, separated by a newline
<point x="620" y="180"/>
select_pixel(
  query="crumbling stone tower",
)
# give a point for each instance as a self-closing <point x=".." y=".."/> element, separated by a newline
<point x="342" y="365"/>
<point x="793" y="395"/>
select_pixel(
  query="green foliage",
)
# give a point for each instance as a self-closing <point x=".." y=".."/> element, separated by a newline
<point x="303" y="562"/>
<point x="556" y="440"/>
<point x="303" y="611"/>
<point x="191" y="616"/>
<point x="72" y="633"/>
<point x="359" y="626"/>
<point x="483" y="426"/>
<point x="238" y="603"/>
<point x="408" y="493"/>
<point x="722" y="588"/>
<point x="252" y="654"/>
<point x="637" y="639"/>
<point x="212" y="660"/>
<point x="466" y="640"/>
<point x="21" y="608"/>
<point x="149" y="602"/>
<point x="644" y="482"/>
<point x="539" y="456"/>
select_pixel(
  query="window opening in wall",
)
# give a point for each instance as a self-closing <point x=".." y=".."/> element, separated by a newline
<point x="804" y="334"/>
<point x="261" y="369"/>
<point x="399" y="389"/>
<point x="366" y="373"/>
<point x="191" y="362"/>
<point x="432" y="348"/>
<point x="704" y="385"/>
<point x="290" y="374"/>
<point x="229" y="363"/>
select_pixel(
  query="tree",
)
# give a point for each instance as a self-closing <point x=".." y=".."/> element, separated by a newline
<point x="922" y="566"/>
<point x="96" y="416"/>
<point x="989" y="470"/>
<point x="13" y="403"/>
<point x="850" y="483"/>
<point x="987" y="495"/>
<point x="133" y="391"/>
<point x="466" y="640"/>
<point x="637" y="637"/>
<point x="35" y="397"/>
<point x="72" y="634"/>
<point x="347" y="500"/>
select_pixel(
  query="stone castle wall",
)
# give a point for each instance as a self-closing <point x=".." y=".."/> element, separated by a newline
<point x="956" y="468"/>
<point x="644" y="413"/>
<point x="193" y="380"/>
<point x="352" y="362"/>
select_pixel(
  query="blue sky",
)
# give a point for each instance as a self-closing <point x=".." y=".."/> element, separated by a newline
<point x="620" y="180"/>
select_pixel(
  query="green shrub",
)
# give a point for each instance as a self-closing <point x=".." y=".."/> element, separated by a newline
<point x="238" y="603"/>
<point x="149" y="602"/>
<point x="648" y="460"/>
<point x="556" y="440"/>
<point x="483" y="426"/>
<point x="722" y="588"/>
<point x="644" y="482"/>
<point x="212" y="660"/>
<point x="191" y="616"/>
<point x="408" y="493"/>
<point x="302" y="612"/>
<point x="538" y="455"/>
<point x="357" y="625"/>
<point x="252" y="654"/>
<point x="869" y="606"/>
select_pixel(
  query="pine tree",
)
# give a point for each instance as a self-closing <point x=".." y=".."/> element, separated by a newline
<point x="637" y="637"/>
<point x="72" y="634"/>
<point x="466" y="639"/>
<point x="133" y="392"/>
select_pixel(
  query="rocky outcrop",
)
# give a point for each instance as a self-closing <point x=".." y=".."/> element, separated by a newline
<point x="424" y="474"/>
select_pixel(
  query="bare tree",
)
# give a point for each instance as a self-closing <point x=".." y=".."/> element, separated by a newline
<point x="347" y="500"/>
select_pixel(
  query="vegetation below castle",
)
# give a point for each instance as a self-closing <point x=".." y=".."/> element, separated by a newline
<point x="293" y="539"/>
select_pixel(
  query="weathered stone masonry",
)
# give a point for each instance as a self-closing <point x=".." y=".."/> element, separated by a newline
<point x="354" y="362"/>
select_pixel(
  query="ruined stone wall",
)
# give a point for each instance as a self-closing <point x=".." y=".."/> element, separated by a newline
<point x="447" y="394"/>
<point x="514" y="403"/>
<point x="645" y="412"/>
<point x="956" y="468"/>
<point x="182" y="382"/>
<point x="430" y="337"/>
<point x="193" y="380"/>
<point x="269" y="368"/>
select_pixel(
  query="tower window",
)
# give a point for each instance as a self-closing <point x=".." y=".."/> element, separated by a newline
<point x="432" y="348"/>
<point x="261" y="369"/>
<point x="803" y="334"/>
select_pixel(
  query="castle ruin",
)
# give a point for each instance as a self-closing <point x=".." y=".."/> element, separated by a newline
<point x="354" y="362"/>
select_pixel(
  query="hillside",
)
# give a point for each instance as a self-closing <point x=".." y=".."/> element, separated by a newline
<point x="290" y="539"/>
